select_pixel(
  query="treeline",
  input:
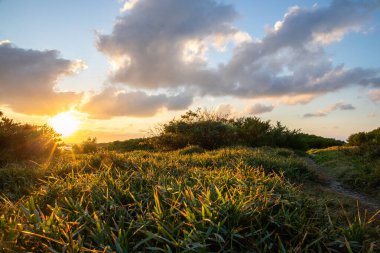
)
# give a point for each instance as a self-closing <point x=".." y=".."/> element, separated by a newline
<point x="211" y="131"/>
<point x="24" y="141"/>
<point x="368" y="142"/>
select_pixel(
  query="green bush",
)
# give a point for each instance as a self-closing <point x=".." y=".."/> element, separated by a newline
<point x="131" y="145"/>
<point x="87" y="146"/>
<point x="204" y="129"/>
<point x="191" y="150"/>
<point x="368" y="142"/>
<point x="311" y="141"/>
<point x="24" y="141"/>
<point x="211" y="131"/>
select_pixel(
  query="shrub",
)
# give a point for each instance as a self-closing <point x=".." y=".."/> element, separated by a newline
<point x="87" y="146"/>
<point x="24" y="141"/>
<point x="211" y="131"/>
<point x="368" y="143"/>
<point x="252" y="131"/>
<point x="189" y="150"/>
<point x="207" y="130"/>
<point x="313" y="141"/>
<point x="131" y="145"/>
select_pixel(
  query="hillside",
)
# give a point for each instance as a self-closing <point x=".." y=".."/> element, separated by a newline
<point x="229" y="200"/>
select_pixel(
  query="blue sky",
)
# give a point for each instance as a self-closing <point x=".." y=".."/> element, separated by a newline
<point x="172" y="55"/>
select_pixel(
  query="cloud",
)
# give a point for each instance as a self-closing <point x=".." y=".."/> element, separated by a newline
<point x="329" y="109"/>
<point x="28" y="77"/>
<point x="374" y="95"/>
<point x="164" y="45"/>
<point x="371" y="115"/>
<point x="112" y="102"/>
<point x="345" y="107"/>
<point x="260" y="108"/>
<point x="129" y="5"/>
<point x="298" y="99"/>
<point x="226" y="109"/>
<point x="290" y="60"/>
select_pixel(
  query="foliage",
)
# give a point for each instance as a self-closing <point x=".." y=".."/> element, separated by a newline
<point x="207" y="130"/>
<point x="313" y="141"/>
<point x="369" y="143"/>
<point x="130" y="145"/>
<point x="189" y="150"/>
<point x="24" y="141"/>
<point x="211" y="131"/>
<point x="87" y="146"/>
<point x="218" y="201"/>
<point x="351" y="167"/>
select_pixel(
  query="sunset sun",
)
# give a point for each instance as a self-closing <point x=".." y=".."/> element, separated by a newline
<point x="64" y="123"/>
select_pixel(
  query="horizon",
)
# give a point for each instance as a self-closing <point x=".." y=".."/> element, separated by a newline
<point x="116" y="69"/>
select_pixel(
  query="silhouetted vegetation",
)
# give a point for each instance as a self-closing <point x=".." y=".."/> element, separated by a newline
<point x="24" y="141"/>
<point x="313" y="141"/>
<point x="88" y="146"/>
<point x="130" y="145"/>
<point x="233" y="199"/>
<point x="368" y="142"/>
<point x="212" y="131"/>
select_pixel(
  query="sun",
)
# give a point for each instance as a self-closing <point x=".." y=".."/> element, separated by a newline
<point x="64" y="123"/>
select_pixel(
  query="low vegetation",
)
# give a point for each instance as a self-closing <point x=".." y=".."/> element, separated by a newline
<point x="350" y="166"/>
<point x="232" y="200"/>
<point x="24" y="141"/>
<point x="88" y="146"/>
<point x="368" y="143"/>
<point x="210" y="130"/>
<point x="174" y="194"/>
<point x="357" y="164"/>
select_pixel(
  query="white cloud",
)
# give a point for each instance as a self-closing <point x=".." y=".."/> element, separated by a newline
<point x="226" y="109"/>
<point x="374" y="95"/>
<point x="28" y="78"/>
<point x="260" y="108"/>
<point x="129" y="5"/>
<point x="163" y="44"/>
<point x="112" y="103"/>
<point x="166" y="42"/>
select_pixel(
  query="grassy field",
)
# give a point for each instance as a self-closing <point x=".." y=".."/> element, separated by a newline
<point x="228" y="200"/>
<point x="350" y="166"/>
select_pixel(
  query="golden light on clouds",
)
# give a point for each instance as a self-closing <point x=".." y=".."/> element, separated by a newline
<point x="65" y="123"/>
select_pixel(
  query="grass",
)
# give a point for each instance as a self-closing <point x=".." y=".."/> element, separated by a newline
<point x="349" y="165"/>
<point x="228" y="200"/>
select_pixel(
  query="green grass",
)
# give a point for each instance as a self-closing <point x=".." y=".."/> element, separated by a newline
<point x="229" y="200"/>
<point x="350" y="166"/>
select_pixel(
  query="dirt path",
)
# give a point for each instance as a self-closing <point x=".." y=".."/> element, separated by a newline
<point x="337" y="186"/>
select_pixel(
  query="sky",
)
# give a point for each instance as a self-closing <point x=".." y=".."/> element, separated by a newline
<point x="124" y="67"/>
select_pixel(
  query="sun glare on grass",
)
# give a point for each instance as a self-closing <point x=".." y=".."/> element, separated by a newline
<point x="64" y="123"/>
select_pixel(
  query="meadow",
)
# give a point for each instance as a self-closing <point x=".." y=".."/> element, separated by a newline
<point x="164" y="199"/>
<point x="228" y="200"/>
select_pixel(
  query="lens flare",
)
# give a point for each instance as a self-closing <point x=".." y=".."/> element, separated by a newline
<point x="64" y="123"/>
